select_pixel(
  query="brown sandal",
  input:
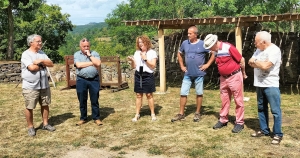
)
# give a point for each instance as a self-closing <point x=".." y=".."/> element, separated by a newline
<point x="276" y="140"/>
<point x="259" y="134"/>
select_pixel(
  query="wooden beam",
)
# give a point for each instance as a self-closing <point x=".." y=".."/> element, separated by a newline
<point x="238" y="39"/>
<point x="162" y="66"/>
<point x="182" y="23"/>
<point x="238" y="42"/>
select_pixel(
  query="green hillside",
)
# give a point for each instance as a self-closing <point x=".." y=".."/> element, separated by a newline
<point x="82" y="28"/>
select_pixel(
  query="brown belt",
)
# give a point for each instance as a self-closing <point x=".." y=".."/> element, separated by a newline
<point x="233" y="73"/>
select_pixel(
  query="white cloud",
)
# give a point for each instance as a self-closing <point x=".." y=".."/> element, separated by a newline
<point x="86" y="11"/>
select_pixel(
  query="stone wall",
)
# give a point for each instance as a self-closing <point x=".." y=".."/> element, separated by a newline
<point x="10" y="72"/>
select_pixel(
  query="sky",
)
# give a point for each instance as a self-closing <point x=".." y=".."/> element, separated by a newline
<point x="86" y="11"/>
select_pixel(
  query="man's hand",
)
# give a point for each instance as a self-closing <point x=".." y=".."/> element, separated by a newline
<point x="38" y="61"/>
<point x="203" y="67"/>
<point x="87" y="52"/>
<point x="183" y="68"/>
<point x="251" y="61"/>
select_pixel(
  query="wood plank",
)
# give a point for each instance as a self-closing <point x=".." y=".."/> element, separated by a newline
<point x="162" y="66"/>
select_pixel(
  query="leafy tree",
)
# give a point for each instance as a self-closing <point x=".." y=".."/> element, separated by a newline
<point x="36" y="17"/>
<point x="4" y="3"/>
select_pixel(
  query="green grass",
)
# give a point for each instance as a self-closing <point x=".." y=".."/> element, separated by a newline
<point x="120" y="137"/>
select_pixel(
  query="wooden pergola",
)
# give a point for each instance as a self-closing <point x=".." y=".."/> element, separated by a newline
<point x="239" y="22"/>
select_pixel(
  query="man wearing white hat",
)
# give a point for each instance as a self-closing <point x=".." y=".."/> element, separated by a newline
<point x="231" y="67"/>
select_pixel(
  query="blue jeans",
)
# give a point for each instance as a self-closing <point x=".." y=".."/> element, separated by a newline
<point x="270" y="95"/>
<point x="187" y="82"/>
<point x="83" y="86"/>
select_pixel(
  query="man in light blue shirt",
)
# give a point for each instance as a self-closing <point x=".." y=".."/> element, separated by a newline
<point x="87" y="63"/>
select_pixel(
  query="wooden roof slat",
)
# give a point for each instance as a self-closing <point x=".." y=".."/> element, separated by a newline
<point x="180" y="23"/>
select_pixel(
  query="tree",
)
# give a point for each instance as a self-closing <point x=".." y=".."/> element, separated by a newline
<point x="4" y="4"/>
<point x="13" y="5"/>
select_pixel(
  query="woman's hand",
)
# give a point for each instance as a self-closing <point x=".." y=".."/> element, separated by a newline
<point x="143" y="55"/>
<point x="130" y="58"/>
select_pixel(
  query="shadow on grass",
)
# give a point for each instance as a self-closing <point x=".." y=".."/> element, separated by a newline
<point x="252" y="123"/>
<point x="58" y="119"/>
<point x="190" y="109"/>
<point x="146" y="111"/>
<point x="209" y="110"/>
<point x="105" y="112"/>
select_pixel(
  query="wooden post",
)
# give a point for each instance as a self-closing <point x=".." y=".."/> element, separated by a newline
<point x="162" y="66"/>
<point x="238" y="43"/>
<point x="238" y="39"/>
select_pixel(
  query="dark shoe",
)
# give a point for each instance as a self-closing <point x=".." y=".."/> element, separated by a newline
<point x="81" y="122"/>
<point x="259" y="134"/>
<point x="31" y="131"/>
<point x="197" y="117"/>
<point x="219" y="125"/>
<point x="178" y="117"/>
<point x="98" y="122"/>
<point x="276" y="140"/>
<point x="237" y="128"/>
<point x="49" y="128"/>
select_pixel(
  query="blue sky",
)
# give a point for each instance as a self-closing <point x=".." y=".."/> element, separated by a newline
<point x="85" y="11"/>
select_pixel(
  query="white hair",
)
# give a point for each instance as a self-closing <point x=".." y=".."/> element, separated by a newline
<point x="31" y="38"/>
<point x="264" y="36"/>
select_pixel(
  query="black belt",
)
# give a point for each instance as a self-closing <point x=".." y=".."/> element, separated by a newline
<point x="233" y="73"/>
<point x="88" y="78"/>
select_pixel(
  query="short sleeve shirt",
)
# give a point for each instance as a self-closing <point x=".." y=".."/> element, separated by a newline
<point x="33" y="79"/>
<point x="87" y="72"/>
<point x="151" y="54"/>
<point x="194" y="55"/>
<point x="270" y="77"/>
<point x="227" y="59"/>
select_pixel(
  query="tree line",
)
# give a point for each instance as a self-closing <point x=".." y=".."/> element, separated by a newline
<point x="19" y="18"/>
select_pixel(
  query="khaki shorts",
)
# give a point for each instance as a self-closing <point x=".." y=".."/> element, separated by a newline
<point x="33" y="96"/>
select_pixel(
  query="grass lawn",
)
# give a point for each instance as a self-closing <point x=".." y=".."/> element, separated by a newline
<point x="119" y="137"/>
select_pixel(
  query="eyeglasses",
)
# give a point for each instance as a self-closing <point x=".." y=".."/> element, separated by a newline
<point x="38" y="42"/>
<point x="256" y="43"/>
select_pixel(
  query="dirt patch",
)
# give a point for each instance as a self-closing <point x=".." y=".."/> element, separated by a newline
<point x="88" y="152"/>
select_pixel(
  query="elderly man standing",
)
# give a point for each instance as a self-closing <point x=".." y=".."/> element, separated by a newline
<point x="231" y="67"/>
<point x="266" y="62"/>
<point x="87" y="63"/>
<point x="35" y="82"/>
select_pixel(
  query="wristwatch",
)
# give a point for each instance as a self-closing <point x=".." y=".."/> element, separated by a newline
<point x="145" y="60"/>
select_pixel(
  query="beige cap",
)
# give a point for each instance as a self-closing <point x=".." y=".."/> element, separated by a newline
<point x="210" y="40"/>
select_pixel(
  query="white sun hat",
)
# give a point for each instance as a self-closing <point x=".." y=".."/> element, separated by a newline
<point x="210" y="40"/>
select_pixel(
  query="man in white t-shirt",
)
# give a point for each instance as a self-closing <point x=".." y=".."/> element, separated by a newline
<point x="266" y="62"/>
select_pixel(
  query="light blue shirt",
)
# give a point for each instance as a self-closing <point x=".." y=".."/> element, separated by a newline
<point x="87" y="72"/>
